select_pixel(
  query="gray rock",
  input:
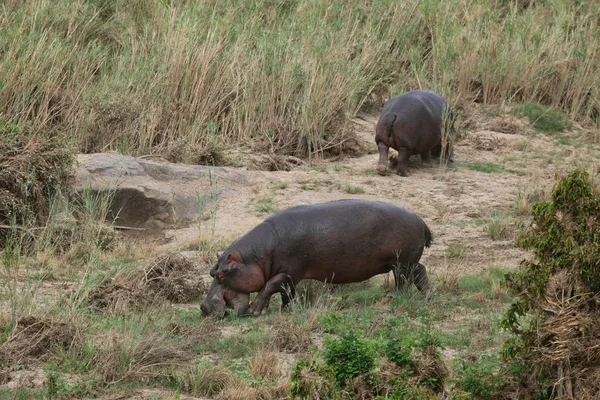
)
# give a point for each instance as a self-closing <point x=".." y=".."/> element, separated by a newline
<point x="153" y="194"/>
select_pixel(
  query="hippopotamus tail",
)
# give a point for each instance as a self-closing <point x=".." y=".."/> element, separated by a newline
<point x="390" y="126"/>
<point x="428" y="236"/>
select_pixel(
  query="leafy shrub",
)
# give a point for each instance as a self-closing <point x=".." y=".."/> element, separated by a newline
<point x="554" y="319"/>
<point x="400" y="351"/>
<point x="349" y="356"/>
<point x="480" y="378"/>
<point x="543" y="118"/>
<point x="564" y="233"/>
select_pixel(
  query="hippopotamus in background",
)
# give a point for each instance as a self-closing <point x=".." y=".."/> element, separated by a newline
<point x="411" y="123"/>
<point x="338" y="242"/>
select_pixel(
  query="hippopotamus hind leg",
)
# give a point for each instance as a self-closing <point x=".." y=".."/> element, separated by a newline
<point x="426" y="158"/>
<point x="403" y="157"/>
<point x="405" y="276"/>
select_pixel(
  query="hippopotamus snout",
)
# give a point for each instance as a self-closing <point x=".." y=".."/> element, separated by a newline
<point x="219" y="299"/>
<point x="214" y="304"/>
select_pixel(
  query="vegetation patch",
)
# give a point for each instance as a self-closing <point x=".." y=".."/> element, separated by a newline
<point x="35" y="339"/>
<point x="554" y="319"/>
<point x="169" y="277"/>
<point x="487" y="167"/>
<point x="543" y="118"/>
<point x="32" y="171"/>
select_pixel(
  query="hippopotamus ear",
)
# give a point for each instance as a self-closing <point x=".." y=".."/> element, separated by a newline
<point x="233" y="258"/>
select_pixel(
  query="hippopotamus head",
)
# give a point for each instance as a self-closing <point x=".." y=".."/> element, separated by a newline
<point x="219" y="298"/>
<point x="232" y="284"/>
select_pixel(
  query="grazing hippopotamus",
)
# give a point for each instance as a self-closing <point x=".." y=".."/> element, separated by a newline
<point x="411" y="123"/>
<point x="338" y="242"/>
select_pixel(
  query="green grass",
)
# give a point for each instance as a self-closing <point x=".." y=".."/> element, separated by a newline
<point x="265" y="205"/>
<point x="543" y="118"/>
<point x="350" y="189"/>
<point x="487" y="167"/>
<point x="455" y="250"/>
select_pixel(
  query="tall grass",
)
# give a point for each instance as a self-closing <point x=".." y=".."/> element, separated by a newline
<point x="283" y="75"/>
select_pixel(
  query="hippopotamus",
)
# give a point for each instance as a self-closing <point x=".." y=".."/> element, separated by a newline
<point x="412" y="123"/>
<point x="340" y="241"/>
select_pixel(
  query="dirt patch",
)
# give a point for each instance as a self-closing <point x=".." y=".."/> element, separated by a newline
<point x="171" y="277"/>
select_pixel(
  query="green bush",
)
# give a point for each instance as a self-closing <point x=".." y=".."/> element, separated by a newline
<point x="349" y="356"/>
<point x="564" y="234"/>
<point x="400" y="352"/>
<point x="480" y="378"/>
<point x="543" y="118"/>
<point x="555" y="291"/>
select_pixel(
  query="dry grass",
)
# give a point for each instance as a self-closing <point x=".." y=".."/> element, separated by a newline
<point x="36" y="338"/>
<point x="568" y="340"/>
<point x="265" y="364"/>
<point x="449" y="276"/>
<point x="191" y="75"/>
<point x="486" y="142"/>
<point x="169" y="277"/>
<point x="204" y="380"/>
<point x="290" y="336"/>
<point x="140" y="355"/>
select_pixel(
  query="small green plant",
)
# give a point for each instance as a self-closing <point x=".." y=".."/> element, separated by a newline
<point x="349" y="355"/>
<point x="265" y="205"/>
<point x="497" y="229"/>
<point x="455" y="250"/>
<point x="482" y="377"/>
<point x="283" y="185"/>
<point x="543" y="118"/>
<point x="353" y="189"/>
<point x="399" y="351"/>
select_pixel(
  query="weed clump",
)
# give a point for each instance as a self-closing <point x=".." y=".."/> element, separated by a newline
<point x="554" y="350"/>
<point x="32" y="171"/>
<point x="33" y="338"/>
<point x="170" y="277"/>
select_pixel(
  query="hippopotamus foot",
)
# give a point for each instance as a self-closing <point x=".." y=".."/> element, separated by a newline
<point x="382" y="169"/>
<point x="403" y="172"/>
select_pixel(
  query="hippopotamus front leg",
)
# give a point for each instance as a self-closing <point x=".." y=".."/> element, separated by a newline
<point x="279" y="283"/>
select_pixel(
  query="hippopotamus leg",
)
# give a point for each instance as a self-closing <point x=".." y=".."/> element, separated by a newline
<point x="278" y="283"/>
<point x="420" y="278"/>
<point x="405" y="276"/>
<point x="403" y="157"/>
<point x="383" y="157"/>
<point x="426" y="158"/>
